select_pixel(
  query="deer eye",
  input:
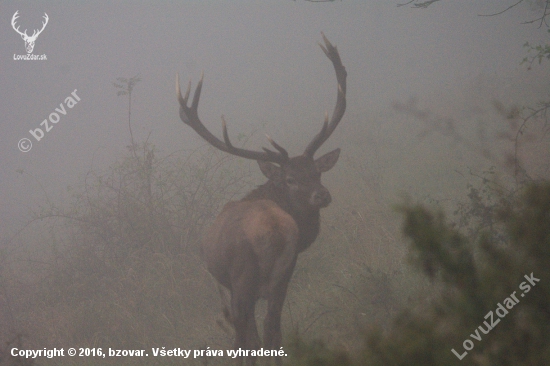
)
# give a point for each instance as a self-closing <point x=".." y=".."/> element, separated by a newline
<point x="290" y="181"/>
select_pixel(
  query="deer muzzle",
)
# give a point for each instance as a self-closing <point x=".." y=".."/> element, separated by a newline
<point x="320" y="198"/>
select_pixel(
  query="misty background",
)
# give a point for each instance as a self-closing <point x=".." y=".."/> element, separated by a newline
<point x="266" y="74"/>
<point x="263" y="70"/>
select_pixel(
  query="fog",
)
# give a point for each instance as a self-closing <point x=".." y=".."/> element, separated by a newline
<point x="264" y="71"/>
<point x="262" y="68"/>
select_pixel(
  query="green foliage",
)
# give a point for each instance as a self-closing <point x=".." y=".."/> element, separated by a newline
<point x="470" y="279"/>
<point x="540" y="52"/>
<point x="476" y="277"/>
<point x="479" y="214"/>
<point x="127" y="85"/>
<point x="435" y="246"/>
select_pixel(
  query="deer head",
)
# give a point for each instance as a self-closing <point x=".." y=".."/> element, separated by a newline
<point x="29" y="41"/>
<point x="298" y="177"/>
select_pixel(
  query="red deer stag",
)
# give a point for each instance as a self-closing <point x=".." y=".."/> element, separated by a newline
<point x="252" y="247"/>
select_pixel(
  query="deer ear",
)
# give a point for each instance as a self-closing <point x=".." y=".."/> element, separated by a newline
<point x="327" y="161"/>
<point x="271" y="171"/>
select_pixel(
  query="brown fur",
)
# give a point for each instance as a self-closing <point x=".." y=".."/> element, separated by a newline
<point x="252" y="247"/>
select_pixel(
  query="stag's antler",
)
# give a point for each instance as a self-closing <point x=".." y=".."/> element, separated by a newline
<point x="340" y="108"/>
<point x="36" y="32"/>
<point x="189" y="115"/>
<point x="13" y="19"/>
<point x="43" y="26"/>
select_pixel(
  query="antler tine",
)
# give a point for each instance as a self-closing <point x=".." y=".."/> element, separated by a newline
<point x="14" y="18"/>
<point x="276" y="146"/>
<point x="189" y="115"/>
<point x="13" y="21"/>
<point x="181" y="100"/>
<point x="325" y="39"/>
<point x="225" y="134"/>
<point x="328" y="127"/>
<point x="36" y="31"/>
<point x="197" y="95"/>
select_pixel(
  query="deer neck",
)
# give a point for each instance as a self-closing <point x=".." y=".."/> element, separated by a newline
<point x="308" y="221"/>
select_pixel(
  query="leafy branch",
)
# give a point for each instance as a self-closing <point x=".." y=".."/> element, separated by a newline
<point x="127" y="85"/>
<point x="541" y="52"/>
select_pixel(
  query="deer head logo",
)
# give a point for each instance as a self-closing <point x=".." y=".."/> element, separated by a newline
<point x="29" y="41"/>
